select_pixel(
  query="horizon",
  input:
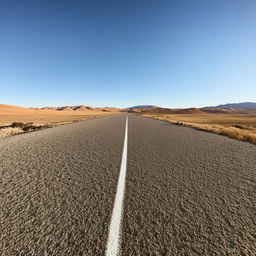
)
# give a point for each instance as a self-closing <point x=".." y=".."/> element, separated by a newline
<point x="174" y="54"/>
<point x="127" y="107"/>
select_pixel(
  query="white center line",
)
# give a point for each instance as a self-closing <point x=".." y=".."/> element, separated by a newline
<point x="113" y="244"/>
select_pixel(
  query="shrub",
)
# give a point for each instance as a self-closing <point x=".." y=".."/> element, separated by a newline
<point x="18" y="125"/>
<point x="25" y="127"/>
<point x="28" y="128"/>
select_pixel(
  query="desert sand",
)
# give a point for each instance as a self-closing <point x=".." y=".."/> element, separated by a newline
<point x="10" y="114"/>
<point x="46" y="117"/>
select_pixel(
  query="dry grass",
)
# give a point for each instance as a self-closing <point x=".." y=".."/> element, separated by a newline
<point x="9" y="131"/>
<point x="241" y="127"/>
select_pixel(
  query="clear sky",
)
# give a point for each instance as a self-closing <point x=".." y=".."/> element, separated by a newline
<point x="171" y="53"/>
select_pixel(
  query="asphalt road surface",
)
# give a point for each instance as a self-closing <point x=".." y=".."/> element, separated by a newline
<point x="187" y="192"/>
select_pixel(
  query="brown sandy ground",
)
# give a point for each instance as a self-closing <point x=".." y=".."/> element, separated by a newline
<point x="238" y="126"/>
<point x="45" y="118"/>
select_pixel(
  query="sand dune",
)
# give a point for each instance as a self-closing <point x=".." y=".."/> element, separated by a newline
<point x="10" y="107"/>
<point x="82" y="108"/>
<point x="109" y="109"/>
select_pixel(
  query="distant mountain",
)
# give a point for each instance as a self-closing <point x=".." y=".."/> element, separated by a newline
<point x="142" y="106"/>
<point x="190" y="111"/>
<point x="244" y="105"/>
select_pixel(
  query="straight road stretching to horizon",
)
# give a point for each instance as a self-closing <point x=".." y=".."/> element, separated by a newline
<point x="126" y="186"/>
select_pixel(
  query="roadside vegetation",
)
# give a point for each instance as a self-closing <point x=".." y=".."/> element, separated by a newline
<point x="19" y="127"/>
<point x="241" y="127"/>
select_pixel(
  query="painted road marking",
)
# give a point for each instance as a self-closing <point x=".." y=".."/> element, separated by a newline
<point x="114" y="237"/>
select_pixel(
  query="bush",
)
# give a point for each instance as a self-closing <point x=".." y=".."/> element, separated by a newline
<point x="18" y="125"/>
<point x="25" y="127"/>
<point x="28" y="128"/>
<point x="238" y="126"/>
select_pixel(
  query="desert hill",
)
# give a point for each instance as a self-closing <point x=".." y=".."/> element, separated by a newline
<point x="244" y="105"/>
<point x="142" y="107"/>
<point x="151" y="110"/>
<point x="190" y="111"/>
<point x="215" y="110"/>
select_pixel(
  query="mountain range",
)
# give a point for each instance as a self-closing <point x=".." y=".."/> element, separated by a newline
<point x="228" y="107"/>
<point x="244" y="105"/>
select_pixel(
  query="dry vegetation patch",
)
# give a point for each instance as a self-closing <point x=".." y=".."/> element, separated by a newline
<point x="241" y="127"/>
<point x="9" y="131"/>
<point x="18" y="127"/>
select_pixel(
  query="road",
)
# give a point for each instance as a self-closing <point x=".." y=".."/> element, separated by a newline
<point x="187" y="192"/>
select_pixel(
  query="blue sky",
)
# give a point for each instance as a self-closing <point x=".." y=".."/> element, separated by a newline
<point x="121" y="53"/>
